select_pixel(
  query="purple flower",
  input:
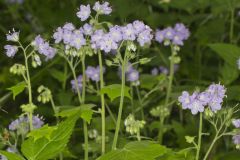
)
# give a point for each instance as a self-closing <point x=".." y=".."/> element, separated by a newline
<point x="77" y="39"/>
<point x="43" y="47"/>
<point x="67" y="35"/>
<point x="69" y="27"/>
<point x="107" y="44"/>
<point x="139" y="26"/>
<point x="204" y="98"/>
<point x="128" y="32"/>
<point x="22" y="123"/>
<point x="160" y="35"/>
<point x="182" y="31"/>
<point x="58" y="35"/>
<point x="84" y="12"/>
<point x="163" y="70"/>
<point x="169" y="33"/>
<point x="236" y="123"/>
<point x="13" y="36"/>
<point x="11" y="50"/>
<point x="185" y="100"/>
<point x="175" y="35"/>
<point x="79" y="84"/>
<point x="236" y="139"/>
<point x="115" y="33"/>
<point x="133" y="76"/>
<point x="103" y="8"/>
<point x="216" y="94"/>
<point x="191" y="102"/>
<point x="145" y="37"/>
<point x="154" y="71"/>
<point x="177" y="40"/>
<point x="93" y="73"/>
<point x="87" y="29"/>
<point x="96" y="39"/>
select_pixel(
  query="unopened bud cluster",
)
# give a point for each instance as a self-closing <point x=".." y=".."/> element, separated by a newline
<point x="18" y="69"/>
<point x="45" y="94"/>
<point x="133" y="126"/>
<point x="160" y="111"/>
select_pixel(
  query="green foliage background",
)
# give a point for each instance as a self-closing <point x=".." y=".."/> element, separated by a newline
<point x="206" y="57"/>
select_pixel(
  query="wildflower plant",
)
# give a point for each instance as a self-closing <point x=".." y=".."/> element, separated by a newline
<point x="115" y="48"/>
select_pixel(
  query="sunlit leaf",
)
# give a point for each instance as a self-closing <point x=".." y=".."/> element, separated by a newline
<point x="144" y="150"/>
<point x="114" y="91"/>
<point x="17" y="89"/>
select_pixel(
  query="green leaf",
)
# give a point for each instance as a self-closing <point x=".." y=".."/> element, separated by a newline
<point x="11" y="156"/>
<point x="114" y="91"/>
<point x="58" y="75"/>
<point x="43" y="148"/>
<point x="148" y="81"/>
<point x="44" y="131"/>
<point x="144" y="150"/>
<point x="85" y="111"/>
<point x="17" y="89"/>
<point x="228" y="52"/>
<point x="228" y="74"/>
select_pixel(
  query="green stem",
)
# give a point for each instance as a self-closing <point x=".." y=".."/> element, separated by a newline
<point x="211" y="146"/>
<point x="85" y="129"/>
<point x="81" y="100"/>
<point x="114" y="145"/>
<point x="102" y="101"/>
<point x="199" y="137"/>
<point x="169" y="90"/>
<point x="55" y="110"/>
<point x="29" y="86"/>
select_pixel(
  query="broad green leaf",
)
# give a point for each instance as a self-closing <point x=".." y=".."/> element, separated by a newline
<point x="228" y="74"/>
<point x="114" y="91"/>
<point x="228" y="52"/>
<point x="44" y="131"/>
<point x="148" y="81"/>
<point x="43" y="148"/>
<point x="185" y="154"/>
<point x="144" y="150"/>
<point x="17" y="89"/>
<point x="11" y="156"/>
<point x="58" y="75"/>
<point x="85" y="111"/>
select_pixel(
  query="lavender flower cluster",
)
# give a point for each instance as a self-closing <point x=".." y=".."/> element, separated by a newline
<point x="132" y="75"/>
<point x="79" y="84"/>
<point x="236" y="138"/>
<point x="175" y="35"/>
<point x="110" y="41"/>
<point x="43" y="47"/>
<point x="11" y="50"/>
<point x="212" y="97"/>
<point x="161" y="69"/>
<point x="93" y="73"/>
<point x="99" y="39"/>
<point x="85" y="10"/>
<point x="22" y="123"/>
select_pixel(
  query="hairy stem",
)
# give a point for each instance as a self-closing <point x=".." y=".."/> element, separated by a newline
<point x="102" y="101"/>
<point x="169" y="90"/>
<point x="199" y="137"/>
<point x="81" y="100"/>
<point x="123" y="67"/>
<point x="85" y="129"/>
<point x="211" y="146"/>
<point x="30" y="114"/>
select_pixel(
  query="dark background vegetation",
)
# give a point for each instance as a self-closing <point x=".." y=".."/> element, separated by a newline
<point x="209" y="22"/>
